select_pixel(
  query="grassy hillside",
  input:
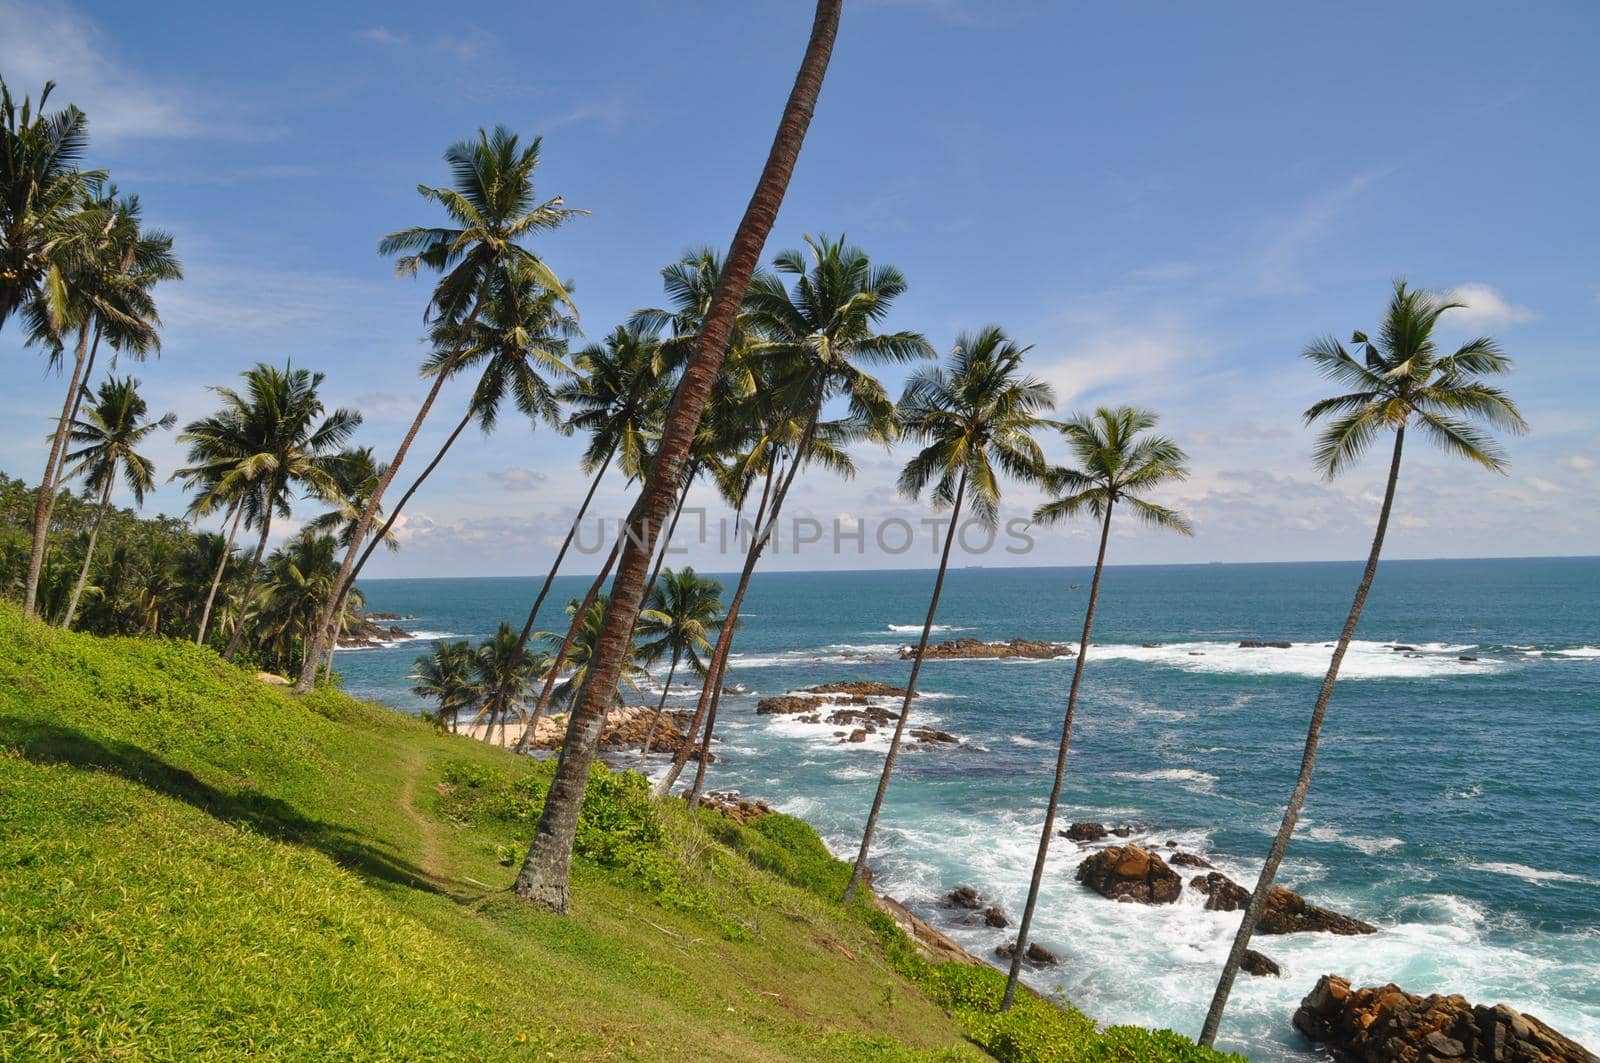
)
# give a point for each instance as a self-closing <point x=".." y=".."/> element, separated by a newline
<point x="194" y="864"/>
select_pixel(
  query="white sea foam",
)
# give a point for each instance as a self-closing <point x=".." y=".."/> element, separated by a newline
<point x="1364" y="660"/>
<point x="915" y="628"/>
<point x="1532" y="874"/>
<point x="1198" y="782"/>
<point x="1370" y="846"/>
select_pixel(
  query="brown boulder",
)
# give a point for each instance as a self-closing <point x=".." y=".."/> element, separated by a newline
<point x="1286" y="912"/>
<point x="858" y="735"/>
<point x="860" y="688"/>
<point x="1385" y="1024"/>
<point x="735" y="807"/>
<point x="1252" y="644"/>
<point x="1085" y="832"/>
<point x="785" y="704"/>
<point x="927" y="734"/>
<point x="1259" y="965"/>
<point x="964" y="897"/>
<point x="1129" y="873"/>
<point x="996" y="917"/>
<point x="1036" y="953"/>
<point x="970" y="648"/>
<point x="1188" y="860"/>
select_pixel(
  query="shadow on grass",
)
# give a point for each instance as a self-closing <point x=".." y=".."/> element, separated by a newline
<point x="52" y="743"/>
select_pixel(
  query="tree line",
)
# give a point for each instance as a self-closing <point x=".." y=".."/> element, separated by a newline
<point x="743" y="378"/>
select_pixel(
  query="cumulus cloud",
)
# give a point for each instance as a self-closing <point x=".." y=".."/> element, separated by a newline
<point x="518" y="479"/>
<point x="1484" y="306"/>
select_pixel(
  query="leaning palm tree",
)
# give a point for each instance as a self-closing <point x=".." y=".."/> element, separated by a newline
<point x="41" y="188"/>
<point x="297" y="580"/>
<point x="106" y="436"/>
<point x="685" y="608"/>
<point x="500" y="663"/>
<point x="102" y="289"/>
<point x="580" y="652"/>
<point x="543" y="878"/>
<point x="262" y="446"/>
<point x="976" y="419"/>
<point x="1401" y="379"/>
<point x="445" y="675"/>
<point x="492" y="209"/>
<point x="1119" y="462"/>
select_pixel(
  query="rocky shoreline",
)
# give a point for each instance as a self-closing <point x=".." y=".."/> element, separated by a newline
<point x="367" y="631"/>
<point x="967" y="649"/>
<point x="849" y="706"/>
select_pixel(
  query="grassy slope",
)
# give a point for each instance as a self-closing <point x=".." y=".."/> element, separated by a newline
<point x="196" y="864"/>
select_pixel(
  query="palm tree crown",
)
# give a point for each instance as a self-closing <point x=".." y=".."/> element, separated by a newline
<point x="107" y="433"/>
<point x="974" y="415"/>
<point x="1118" y="463"/>
<point x="618" y="399"/>
<point x="684" y="609"/>
<point x="1402" y="378"/>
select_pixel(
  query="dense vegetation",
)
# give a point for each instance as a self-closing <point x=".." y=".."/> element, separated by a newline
<point x="199" y="864"/>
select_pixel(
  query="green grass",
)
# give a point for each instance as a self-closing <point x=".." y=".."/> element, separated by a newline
<point x="197" y="865"/>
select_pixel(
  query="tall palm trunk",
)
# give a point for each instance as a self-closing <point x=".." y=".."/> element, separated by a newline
<point x="1021" y="948"/>
<point x="1308" y="762"/>
<point x="661" y="706"/>
<point x="544" y="875"/>
<point x="249" y="584"/>
<point x="719" y="655"/>
<point x="572" y="636"/>
<point x="499" y="696"/>
<point x="672" y="529"/>
<point x="44" y="506"/>
<point x="216" y="578"/>
<point x="88" y="553"/>
<point x="911" y="692"/>
<point x="321" y="630"/>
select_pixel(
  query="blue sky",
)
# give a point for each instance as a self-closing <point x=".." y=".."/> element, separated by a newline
<point x="1166" y="200"/>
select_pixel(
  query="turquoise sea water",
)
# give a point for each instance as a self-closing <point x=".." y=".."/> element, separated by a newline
<point x="1456" y="804"/>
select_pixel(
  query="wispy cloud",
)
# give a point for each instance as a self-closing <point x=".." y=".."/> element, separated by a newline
<point x="1484" y="306"/>
<point x="51" y="41"/>
<point x="382" y="35"/>
<point x="609" y="111"/>
<point x="518" y="480"/>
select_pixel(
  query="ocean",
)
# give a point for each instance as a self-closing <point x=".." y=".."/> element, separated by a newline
<point x="1456" y="803"/>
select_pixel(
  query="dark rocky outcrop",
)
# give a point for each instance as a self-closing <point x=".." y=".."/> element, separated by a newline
<point x="929" y="735"/>
<point x="736" y="807"/>
<point x="969" y="648"/>
<point x="1036" y="953"/>
<point x="996" y="917"/>
<point x="1261" y="966"/>
<point x="1084" y="831"/>
<point x="871" y="719"/>
<point x="1385" y="1024"/>
<point x="964" y="897"/>
<point x="363" y="631"/>
<point x="786" y="704"/>
<point x="858" y="735"/>
<point x="1181" y="859"/>
<point x="859" y="688"/>
<point x="1129" y="873"/>
<point x="1253" y="644"/>
<point x="1286" y="912"/>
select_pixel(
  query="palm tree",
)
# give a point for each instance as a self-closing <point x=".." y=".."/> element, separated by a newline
<point x="501" y="663"/>
<point x="1401" y="379"/>
<point x="975" y="419"/>
<point x="41" y="188"/>
<point x="543" y="878"/>
<point x="106" y="437"/>
<point x="580" y="652"/>
<point x="298" y="579"/>
<point x="103" y="288"/>
<point x="810" y="340"/>
<point x="356" y="473"/>
<point x="683" y="611"/>
<point x="1119" y="461"/>
<point x="262" y="446"/>
<point x="446" y="675"/>
<point x="492" y="208"/>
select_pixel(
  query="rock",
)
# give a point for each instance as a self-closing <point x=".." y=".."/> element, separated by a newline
<point x="1259" y="965"/>
<point x="275" y="680"/>
<point x="1085" y="832"/>
<point x="1122" y="832"/>
<point x="1150" y="645"/>
<point x="735" y="807"/>
<point x="1385" y="1024"/>
<point x="1188" y="860"/>
<point x="964" y="897"/>
<point x="1252" y="644"/>
<point x="996" y="917"/>
<point x="860" y="688"/>
<point x="1036" y="953"/>
<point x="363" y="631"/>
<point x="1286" y="912"/>
<point x="785" y="704"/>
<point x="1403" y="649"/>
<point x="969" y="648"/>
<point x="858" y="735"/>
<point x="871" y="719"/>
<point x="927" y="734"/>
<point x="1466" y="659"/>
<point x="1129" y="873"/>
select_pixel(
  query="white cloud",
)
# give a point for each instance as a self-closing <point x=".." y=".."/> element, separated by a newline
<point x="1578" y="462"/>
<point x="50" y="41"/>
<point x="518" y="479"/>
<point x="382" y="35"/>
<point x="1484" y="306"/>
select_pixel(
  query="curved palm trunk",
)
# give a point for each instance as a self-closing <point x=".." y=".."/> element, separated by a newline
<point x="544" y="875"/>
<point x="672" y="529"/>
<point x="911" y="691"/>
<point x="321" y="630"/>
<point x="216" y="579"/>
<point x="249" y="586"/>
<point x="719" y="655"/>
<point x="44" y="506"/>
<point x="1019" y="951"/>
<point x="661" y="706"/>
<point x="1308" y="762"/>
<point x="499" y="697"/>
<point x="566" y="643"/>
<point x="88" y="553"/>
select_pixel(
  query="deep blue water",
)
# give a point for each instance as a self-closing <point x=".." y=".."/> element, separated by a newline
<point x="1455" y="803"/>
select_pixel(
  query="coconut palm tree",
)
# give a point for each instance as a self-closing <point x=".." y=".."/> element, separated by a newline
<point x="976" y="419"/>
<point x="1119" y="462"/>
<point x="491" y="208"/>
<point x="356" y="473"/>
<point x="581" y="651"/>
<point x="262" y="446"/>
<point x="106" y="436"/>
<point x="500" y="663"/>
<point x="41" y="190"/>
<point x="102" y="289"/>
<point x="1401" y="379"/>
<point x="684" y="609"/>
<point x="543" y="878"/>
<point x="297" y="581"/>
<point x="445" y="675"/>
